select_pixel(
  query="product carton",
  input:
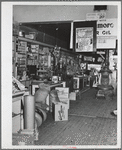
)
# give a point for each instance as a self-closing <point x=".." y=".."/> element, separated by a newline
<point x="16" y="124"/>
<point x="72" y="96"/>
<point x="60" y="111"/>
<point x="63" y="92"/>
<point x="65" y="101"/>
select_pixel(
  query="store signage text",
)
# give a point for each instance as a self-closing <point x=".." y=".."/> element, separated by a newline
<point x="107" y="28"/>
<point x="105" y="25"/>
<point x="104" y="32"/>
<point x="96" y="16"/>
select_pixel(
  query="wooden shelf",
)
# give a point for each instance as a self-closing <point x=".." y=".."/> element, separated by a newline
<point x="35" y="42"/>
<point x="44" y="44"/>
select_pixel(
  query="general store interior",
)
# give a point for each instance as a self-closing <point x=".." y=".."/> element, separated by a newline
<point x="64" y="75"/>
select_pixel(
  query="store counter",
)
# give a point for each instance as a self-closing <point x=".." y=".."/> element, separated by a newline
<point x="79" y="82"/>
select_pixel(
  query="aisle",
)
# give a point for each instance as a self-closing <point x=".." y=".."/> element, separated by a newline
<point x="89" y="123"/>
<point x="88" y="105"/>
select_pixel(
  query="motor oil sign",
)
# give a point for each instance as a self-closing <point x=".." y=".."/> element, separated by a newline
<point x="107" y="28"/>
<point x="107" y="33"/>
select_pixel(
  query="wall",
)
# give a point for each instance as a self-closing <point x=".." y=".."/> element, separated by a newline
<point x="34" y="13"/>
<point x="42" y="13"/>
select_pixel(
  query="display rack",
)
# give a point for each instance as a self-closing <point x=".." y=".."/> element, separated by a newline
<point x="24" y="57"/>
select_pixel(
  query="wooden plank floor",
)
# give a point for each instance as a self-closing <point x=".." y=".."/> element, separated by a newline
<point x="89" y="123"/>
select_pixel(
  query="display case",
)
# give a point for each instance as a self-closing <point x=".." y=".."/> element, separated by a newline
<point x="28" y="54"/>
<point x="80" y="83"/>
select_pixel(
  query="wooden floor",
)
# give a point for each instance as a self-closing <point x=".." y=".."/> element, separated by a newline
<point x="89" y="123"/>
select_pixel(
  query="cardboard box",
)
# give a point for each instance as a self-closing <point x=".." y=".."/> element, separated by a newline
<point x="16" y="105"/>
<point x="60" y="111"/>
<point x="62" y="92"/>
<point x="16" y="124"/>
<point x="72" y="96"/>
<point x="65" y="101"/>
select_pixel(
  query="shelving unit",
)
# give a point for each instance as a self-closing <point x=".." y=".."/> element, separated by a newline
<point x="23" y="56"/>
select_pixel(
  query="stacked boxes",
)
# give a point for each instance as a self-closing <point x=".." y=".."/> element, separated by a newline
<point x="60" y="109"/>
<point x="63" y="94"/>
<point x="16" y="124"/>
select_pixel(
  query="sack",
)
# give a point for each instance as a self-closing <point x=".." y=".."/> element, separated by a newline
<point x="42" y="93"/>
<point x="54" y="96"/>
<point x="41" y="105"/>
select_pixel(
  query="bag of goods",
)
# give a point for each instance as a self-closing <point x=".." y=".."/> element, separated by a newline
<point x="42" y="93"/>
<point x="41" y="105"/>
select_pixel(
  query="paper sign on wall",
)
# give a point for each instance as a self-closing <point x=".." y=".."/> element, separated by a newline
<point x="107" y="28"/>
<point x="106" y="34"/>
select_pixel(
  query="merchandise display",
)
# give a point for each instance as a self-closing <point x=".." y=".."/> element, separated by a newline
<point x="51" y="73"/>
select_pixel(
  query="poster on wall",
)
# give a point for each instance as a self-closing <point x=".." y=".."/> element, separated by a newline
<point x="84" y="36"/>
<point x="84" y="39"/>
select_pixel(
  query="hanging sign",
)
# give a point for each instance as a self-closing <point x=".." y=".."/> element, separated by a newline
<point x="106" y="33"/>
<point x="96" y="16"/>
<point x="106" y="43"/>
<point x="92" y="16"/>
<point x="107" y="28"/>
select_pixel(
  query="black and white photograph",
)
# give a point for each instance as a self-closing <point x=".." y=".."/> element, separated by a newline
<point x="61" y="75"/>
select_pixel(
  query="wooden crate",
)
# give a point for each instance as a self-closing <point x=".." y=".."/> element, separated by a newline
<point x="60" y="111"/>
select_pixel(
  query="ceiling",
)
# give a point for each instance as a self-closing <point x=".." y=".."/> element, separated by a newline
<point x="60" y="30"/>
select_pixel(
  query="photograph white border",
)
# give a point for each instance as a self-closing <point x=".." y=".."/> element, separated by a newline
<point x="6" y="76"/>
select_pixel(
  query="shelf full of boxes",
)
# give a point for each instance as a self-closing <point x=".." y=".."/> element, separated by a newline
<point x="28" y="52"/>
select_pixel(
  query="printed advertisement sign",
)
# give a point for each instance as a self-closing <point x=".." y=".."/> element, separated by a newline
<point x="106" y="34"/>
<point x="107" y="28"/>
<point x="84" y="39"/>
